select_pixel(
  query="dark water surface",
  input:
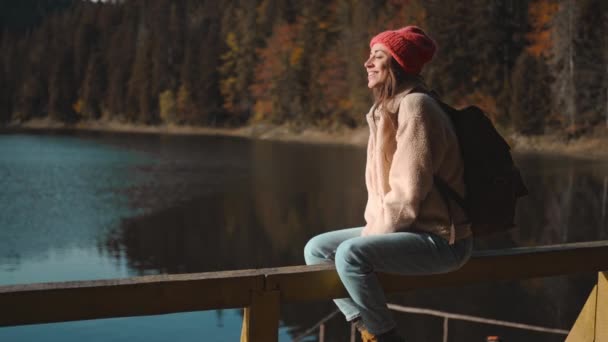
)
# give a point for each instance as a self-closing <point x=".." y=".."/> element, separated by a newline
<point x="91" y="206"/>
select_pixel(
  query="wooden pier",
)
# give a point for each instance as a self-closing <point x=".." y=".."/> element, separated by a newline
<point x="261" y="291"/>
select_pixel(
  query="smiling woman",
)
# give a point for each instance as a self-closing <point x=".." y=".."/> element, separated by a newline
<point x="410" y="228"/>
<point x="377" y="66"/>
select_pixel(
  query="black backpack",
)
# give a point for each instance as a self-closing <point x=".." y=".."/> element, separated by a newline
<point x="493" y="182"/>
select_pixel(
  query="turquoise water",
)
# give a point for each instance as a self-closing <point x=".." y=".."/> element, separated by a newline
<point x="60" y="197"/>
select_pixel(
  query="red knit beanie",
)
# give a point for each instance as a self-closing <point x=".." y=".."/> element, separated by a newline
<point x="409" y="46"/>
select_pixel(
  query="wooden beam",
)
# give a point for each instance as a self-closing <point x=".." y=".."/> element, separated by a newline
<point x="583" y="329"/>
<point x="306" y="283"/>
<point x="149" y="295"/>
<point x="261" y="317"/>
<point x="161" y="294"/>
<point x="601" y="313"/>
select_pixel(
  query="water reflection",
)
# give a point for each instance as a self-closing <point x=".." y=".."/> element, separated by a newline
<point x="289" y="193"/>
<point x="262" y="219"/>
<point x="141" y="204"/>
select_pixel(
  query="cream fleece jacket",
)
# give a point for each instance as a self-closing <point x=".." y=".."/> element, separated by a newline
<point x="411" y="140"/>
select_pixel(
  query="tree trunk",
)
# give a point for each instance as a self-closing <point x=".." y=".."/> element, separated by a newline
<point x="571" y="96"/>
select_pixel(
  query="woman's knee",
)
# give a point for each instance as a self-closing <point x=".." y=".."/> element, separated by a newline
<point x="351" y="254"/>
<point x="313" y="251"/>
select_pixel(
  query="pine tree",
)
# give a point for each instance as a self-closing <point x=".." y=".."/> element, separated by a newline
<point x="562" y="63"/>
<point x="590" y="71"/>
<point x="119" y="58"/>
<point x="62" y="85"/>
<point x="92" y="90"/>
<point x="530" y="102"/>
<point x="140" y="99"/>
<point x="7" y="83"/>
<point x="477" y="52"/>
<point x="61" y="89"/>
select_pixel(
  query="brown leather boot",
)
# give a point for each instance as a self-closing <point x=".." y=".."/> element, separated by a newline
<point x="366" y="336"/>
<point x="390" y="336"/>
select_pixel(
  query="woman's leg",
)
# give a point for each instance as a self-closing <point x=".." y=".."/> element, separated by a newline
<point x="357" y="259"/>
<point x="321" y="249"/>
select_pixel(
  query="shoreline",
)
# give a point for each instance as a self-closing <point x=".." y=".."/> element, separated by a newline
<point x="594" y="146"/>
<point x="284" y="133"/>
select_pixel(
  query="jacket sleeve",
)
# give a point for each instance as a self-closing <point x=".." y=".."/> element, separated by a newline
<point x="411" y="172"/>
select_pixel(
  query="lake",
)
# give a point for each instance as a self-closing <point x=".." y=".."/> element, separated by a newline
<point x="76" y="206"/>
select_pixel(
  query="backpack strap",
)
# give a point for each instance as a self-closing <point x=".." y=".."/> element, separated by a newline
<point x="447" y="192"/>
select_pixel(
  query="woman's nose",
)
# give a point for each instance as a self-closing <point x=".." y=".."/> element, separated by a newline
<point x="368" y="63"/>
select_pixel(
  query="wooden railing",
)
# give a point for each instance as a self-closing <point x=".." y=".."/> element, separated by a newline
<point x="261" y="291"/>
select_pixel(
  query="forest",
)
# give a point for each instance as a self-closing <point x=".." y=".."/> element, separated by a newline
<point x="535" y="66"/>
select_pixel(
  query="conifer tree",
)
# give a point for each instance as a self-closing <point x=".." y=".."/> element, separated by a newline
<point x="7" y="83"/>
<point x="590" y="71"/>
<point x="562" y="63"/>
<point x="61" y="89"/>
<point x="92" y="90"/>
<point x="119" y="57"/>
<point x="140" y="100"/>
<point x="530" y="102"/>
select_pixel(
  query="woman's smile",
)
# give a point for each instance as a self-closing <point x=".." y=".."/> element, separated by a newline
<point x="377" y="65"/>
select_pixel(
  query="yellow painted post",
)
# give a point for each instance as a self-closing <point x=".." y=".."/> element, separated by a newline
<point x="261" y="318"/>
<point x="584" y="327"/>
<point x="601" y="315"/>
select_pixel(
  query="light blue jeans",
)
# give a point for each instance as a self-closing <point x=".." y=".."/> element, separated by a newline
<point x="357" y="259"/>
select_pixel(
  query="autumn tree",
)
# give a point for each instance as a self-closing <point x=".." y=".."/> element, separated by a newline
<point x="477" y="52"/>
<point x="540" y="15"/>
<point x="275" y="97"/>
<point x="239" y="60"/>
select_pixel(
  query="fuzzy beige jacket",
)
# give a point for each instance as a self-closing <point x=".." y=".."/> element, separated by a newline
<point x="411" y="140"/>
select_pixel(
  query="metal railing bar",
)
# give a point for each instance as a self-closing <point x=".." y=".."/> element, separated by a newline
<point x="316" y="326"/>
<point x="475" y="319"/>
<point x="446" y="316"/>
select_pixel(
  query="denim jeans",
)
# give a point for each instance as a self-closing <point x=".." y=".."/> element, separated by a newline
<point x="357" y="259"/>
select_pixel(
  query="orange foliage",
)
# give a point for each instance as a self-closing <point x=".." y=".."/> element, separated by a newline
<point x="334" y="83"/>
<point x="280" y="53"/>
<point x="540" y="13"/>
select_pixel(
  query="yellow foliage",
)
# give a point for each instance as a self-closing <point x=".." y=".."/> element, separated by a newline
<point x="231" y="41"/>
<point x="78" y="106"/>
<point x="167" y="106"/>
<point x="345" y="104"/>
<point x="261" y="110"/>
<point x="296" y="56"/>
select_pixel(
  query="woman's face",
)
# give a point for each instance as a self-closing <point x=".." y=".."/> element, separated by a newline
<point x="377" y="65"/>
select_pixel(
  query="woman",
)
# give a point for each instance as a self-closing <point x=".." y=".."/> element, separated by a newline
<point x="410" y="229"/>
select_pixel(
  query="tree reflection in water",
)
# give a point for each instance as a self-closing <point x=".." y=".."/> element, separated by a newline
<point x="286" y="193"/>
